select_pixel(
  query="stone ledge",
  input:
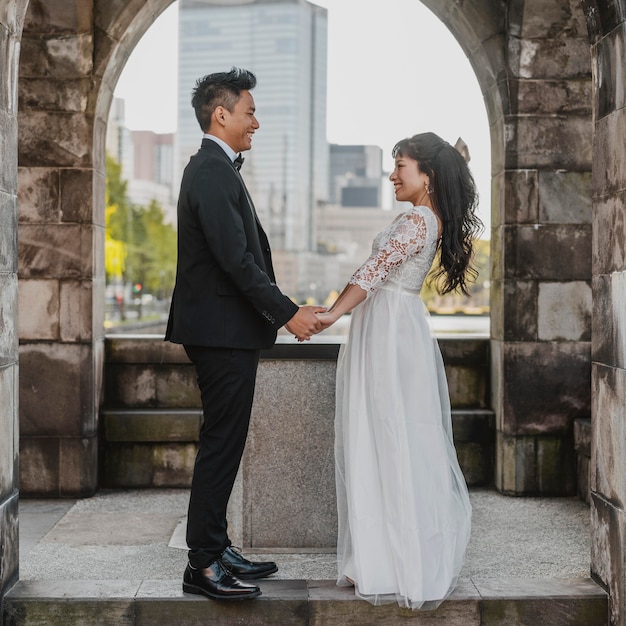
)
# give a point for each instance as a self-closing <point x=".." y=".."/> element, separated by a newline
<point x="485" y="602"/>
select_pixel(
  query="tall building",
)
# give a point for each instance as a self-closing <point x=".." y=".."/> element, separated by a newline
<point x="283" y="42"/>
<point x="153" y="171"/>
<point x="355" y="175"/>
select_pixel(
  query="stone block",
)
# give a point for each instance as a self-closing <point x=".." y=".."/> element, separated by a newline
<point x="8" y="425"/>
<point x="330" y="605"/>
<point x="608" y="546"/>
<point x="556" y="466"/>
<point x="76" y="310"/>
<point x="602" y="18"/>
<point x="608" y="424"/>
<point x="548" y="252"/>
<point x="39" y="466"/>
<point x="476" y="461"/>
<point x="152" y="425"/>
<point x="39" y="309"/>
<point x="550" y="97"/>
<point x="143" y="465"/>
<point x="610" y="67"/>
<point x="8" y="317"/>
<point x="292" y="437"/>
<point x="38" y="191"/>
<point x="143" y="349"/>
<point x="57" y="389"/>
<point x="550" y="57"/>
<point x="519" y="304"/>
<point x="8" y="152"/>
<point x="609" y="167"/>
<point x="54" y="139"/>
<point x="50" y="94"/>
<point x="509" y="602"/>
<point x="97" y="199"/>
<point x="539" y="19"/>
<point x="12" y="15"/>
<point x="8" y="233"/>
<point x="565" y="197"/>
<point x="546" y="387"/>
<point x="9" y="540"/>
<point x="609" y="234"/>
<point x="173" y="465"/>
<point x="582" y="477"/>
<point x="55" y="251"/>
<point x="177" y="387"/>
<point x="609" y="319"/>
<point x="534" y="142"/>
<point x="77" y="192"/>
<point x="582" y="436"/>
<point x="60" y="57"/>
<point x="58" y="16"/>
<point x="521" y="197"/>
<point x="564" y="311"/>
<point x="78" y="466"/>
<point x="130" y="386"/>
<point x="516" y="467"/>
<point x="127" y="466"/>
<point x="467" y="387"/>
<point x="284" y="603"/>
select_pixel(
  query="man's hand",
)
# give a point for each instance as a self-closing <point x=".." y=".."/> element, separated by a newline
<point x="305" y="322"/>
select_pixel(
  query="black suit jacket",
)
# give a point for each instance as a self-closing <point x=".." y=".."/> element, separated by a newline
<point x="225" y="293"/>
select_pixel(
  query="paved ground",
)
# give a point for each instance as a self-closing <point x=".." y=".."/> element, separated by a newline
<point x="138" y="534"/>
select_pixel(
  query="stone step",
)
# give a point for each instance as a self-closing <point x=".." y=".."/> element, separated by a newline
<point x="484" y="602"/>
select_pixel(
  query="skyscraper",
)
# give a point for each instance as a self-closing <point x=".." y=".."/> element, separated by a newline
<point x="284" y="42"/>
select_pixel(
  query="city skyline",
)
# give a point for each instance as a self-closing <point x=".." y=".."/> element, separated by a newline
<point x="416" y="79"/>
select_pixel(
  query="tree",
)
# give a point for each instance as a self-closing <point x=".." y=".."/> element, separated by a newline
<point x="140" y="245"/>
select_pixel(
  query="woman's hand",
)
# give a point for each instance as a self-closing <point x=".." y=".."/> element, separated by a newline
<point x="326" y="319"/>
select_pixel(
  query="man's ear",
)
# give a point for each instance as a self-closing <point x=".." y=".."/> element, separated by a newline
<point x="219" y="115"/>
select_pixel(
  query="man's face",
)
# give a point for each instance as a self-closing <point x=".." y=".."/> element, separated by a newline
<point x="240" y="125"/>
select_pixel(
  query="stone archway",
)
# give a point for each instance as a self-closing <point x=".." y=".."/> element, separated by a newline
<point x="534" y="74"/>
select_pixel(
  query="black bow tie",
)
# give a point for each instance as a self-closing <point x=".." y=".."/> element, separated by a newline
<point x="238" y="162"/>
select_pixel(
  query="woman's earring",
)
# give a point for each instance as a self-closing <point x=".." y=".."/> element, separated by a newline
<point x="429" y="187"/>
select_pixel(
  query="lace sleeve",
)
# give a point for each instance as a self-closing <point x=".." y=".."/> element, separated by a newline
<point x="402" y="240"/>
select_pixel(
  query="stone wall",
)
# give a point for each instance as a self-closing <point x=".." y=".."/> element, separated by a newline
<point x="607" y="29"/>
<point x="11" y="20"/>
<point x="285" y="492"/>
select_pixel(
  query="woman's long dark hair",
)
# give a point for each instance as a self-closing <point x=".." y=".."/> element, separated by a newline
<point x="455" y="199"/>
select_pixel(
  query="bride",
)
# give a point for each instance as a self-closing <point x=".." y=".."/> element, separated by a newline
<point x="403" y="505"/>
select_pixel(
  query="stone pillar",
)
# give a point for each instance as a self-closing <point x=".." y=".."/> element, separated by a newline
<point x="541" y="250"/>
<point x="607" y="30"/>
<point x="11" y="19"/>
<point x="61" y="252"/>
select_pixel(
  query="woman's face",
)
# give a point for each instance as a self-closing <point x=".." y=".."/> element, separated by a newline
<point x="409" y="182"/>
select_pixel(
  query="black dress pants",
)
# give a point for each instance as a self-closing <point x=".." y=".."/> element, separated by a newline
<point x="226" y="378"/>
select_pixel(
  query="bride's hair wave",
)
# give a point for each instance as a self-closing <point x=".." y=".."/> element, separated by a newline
<point x="455" y="200"/>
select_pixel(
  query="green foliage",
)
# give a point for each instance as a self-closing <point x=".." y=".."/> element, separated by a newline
<point x="149" y="243"/>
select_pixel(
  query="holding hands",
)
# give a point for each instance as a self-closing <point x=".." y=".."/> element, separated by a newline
<point x="310" y="320"/>
<point x="305" y="322"/>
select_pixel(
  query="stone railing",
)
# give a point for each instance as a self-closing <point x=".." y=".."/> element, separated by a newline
<point x="285" y="491"/>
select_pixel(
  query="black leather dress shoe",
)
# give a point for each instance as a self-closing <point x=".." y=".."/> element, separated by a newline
<point x="244" y="569"/>
<point x="218" y="583"/>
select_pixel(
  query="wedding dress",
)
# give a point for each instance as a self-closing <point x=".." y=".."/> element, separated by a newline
<point x="403" y="505"/>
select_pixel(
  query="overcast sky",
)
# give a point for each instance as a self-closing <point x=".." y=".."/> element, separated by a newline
<point x="393" y="70"/>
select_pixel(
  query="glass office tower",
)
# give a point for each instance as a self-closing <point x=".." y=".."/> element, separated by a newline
<point x="284" y="42"/>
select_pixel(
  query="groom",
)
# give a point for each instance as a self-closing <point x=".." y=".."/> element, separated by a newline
<point x="225" y="308"/>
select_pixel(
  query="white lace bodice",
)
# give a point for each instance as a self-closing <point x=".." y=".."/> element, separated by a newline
<point x="401" y="254"/>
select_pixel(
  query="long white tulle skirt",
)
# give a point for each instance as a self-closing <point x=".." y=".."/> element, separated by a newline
<point x="403" y="505"/>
